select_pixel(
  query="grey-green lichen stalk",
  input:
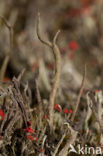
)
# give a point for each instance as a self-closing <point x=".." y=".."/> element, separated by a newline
<point x="57" y="56"/>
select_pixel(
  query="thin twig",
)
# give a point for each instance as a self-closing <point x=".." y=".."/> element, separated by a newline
<point x="43" y="142"/>
<point x="58" y="145"/>
<point x="21" y="74"/>
<point x="39" y="35"/>
<point x="39" y="100"/>
<point x="79" y="96"/>
<point x="57" y="55"/>
<point x="56" y="80"/>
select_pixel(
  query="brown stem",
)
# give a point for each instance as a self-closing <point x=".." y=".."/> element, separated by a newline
<point x="79" y="96"/>
<point x="56" y="53"/>
<point x="39" y="101"/>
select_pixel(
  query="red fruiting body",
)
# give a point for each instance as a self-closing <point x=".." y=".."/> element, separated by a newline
<point x="65" y="111"/>
<point x="36" y="139"/>
<point x="70" y="111"/>
<point x="73" y="45"/>
<point x="29" y="137"/>
<point x="45" y="117"/>
<point x="29" y="130"/>
<point x="96" y="91"/>
<point x="25" y="130"/>
<point x="42" y="150"/>
<point x="6" y="79"/>
<point x="89" y="131"/>
<point x="2" y="115"/>
<point x="57" y="107"/>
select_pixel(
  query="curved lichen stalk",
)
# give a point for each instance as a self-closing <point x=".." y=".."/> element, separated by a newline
<point x="56" y="53"/>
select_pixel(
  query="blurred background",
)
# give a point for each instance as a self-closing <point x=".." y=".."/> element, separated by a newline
<point x="80" y="42"/>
